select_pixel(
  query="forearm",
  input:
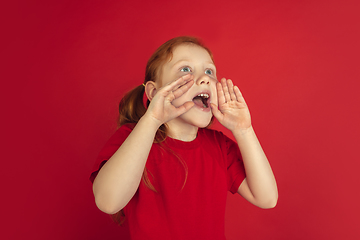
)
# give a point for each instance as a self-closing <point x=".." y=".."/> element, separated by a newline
<point x="118" y="180"/>
<point x="259" y="176"/>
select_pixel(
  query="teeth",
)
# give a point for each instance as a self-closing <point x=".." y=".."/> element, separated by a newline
<point x="205" y="95"/>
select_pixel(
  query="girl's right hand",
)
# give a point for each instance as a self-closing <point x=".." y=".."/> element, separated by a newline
<point x="161" y="108"/>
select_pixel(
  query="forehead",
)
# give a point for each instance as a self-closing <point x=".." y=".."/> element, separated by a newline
<point x="189" y="52"/>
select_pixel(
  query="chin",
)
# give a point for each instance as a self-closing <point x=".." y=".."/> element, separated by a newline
<point x="199" y="120"/>
<point x="202" y="125"/>
<point x="203" y="120"/>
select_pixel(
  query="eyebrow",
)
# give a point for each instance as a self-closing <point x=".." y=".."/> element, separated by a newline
<point x="187" y="60"/>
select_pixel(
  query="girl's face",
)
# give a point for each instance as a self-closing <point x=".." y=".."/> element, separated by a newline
<point x="195" y="60"/>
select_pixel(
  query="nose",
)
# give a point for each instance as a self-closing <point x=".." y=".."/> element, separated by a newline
<point x="203" y="79"/>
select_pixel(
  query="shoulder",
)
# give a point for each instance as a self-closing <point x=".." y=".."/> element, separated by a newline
<point x="117" y="138"/>
<point x="111" y="147"/>
<point x="126" y="127"/>
<point x="124" y="130"/>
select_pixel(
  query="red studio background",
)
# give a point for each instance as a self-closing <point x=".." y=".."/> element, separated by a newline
<point x="66" y="65"/>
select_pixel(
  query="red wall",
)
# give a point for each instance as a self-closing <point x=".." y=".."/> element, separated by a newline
<point x="67" y="64"/>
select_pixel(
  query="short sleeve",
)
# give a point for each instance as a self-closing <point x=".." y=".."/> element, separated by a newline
<point x="110" y="148"/>
<point x="235" y="166"/>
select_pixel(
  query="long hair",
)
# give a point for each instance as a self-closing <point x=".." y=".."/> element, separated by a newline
<point x="132" y="108"/>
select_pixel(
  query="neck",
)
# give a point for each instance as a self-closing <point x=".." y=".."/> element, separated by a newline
<point x="181" y="131"/>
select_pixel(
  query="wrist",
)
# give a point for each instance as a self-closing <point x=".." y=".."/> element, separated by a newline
<point x="150" y="122"/>
<point x="242" y="133"/>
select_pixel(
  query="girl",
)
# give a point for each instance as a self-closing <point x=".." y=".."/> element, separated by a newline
<point x="163" y="169"/>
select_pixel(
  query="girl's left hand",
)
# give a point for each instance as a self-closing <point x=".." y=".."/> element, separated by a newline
<point x="233" y="112"/>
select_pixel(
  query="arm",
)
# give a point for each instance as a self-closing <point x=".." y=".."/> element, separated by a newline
<point x="259" y="186"/>
<point x="119" y="178"/>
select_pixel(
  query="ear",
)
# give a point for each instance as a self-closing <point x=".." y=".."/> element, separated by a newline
<point x="150" y="89"/>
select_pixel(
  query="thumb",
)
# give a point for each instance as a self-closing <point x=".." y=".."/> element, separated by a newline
<point x="185" y="107"/>
<point x="215" y="111"/>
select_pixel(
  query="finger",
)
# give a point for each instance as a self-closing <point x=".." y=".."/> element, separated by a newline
<point x="182" y="84"/>
<point x="220" y="93"/>
<point x="183" y="88"/>
<point x="239" y="96"/>
<point x="179" y="82"/>
<point x="225" y="90"/>
<point x="171" y="86"/>
<point x="216" y="112"/>
<point x="231" y="90"/>
<point x="184" y="108"/>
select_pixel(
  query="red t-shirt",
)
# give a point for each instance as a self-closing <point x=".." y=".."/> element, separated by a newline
<point x="196" y="211"/>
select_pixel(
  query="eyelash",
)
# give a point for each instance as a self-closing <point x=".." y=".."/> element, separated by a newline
<point x="211" y="71"/>
<point x="184" y="68"/>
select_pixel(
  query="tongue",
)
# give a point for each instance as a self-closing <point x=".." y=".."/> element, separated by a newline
<point x="198" y="101"/>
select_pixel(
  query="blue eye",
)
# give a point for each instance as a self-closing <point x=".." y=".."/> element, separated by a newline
<point x="185" y="69"/>
<point x="208" y="71"/>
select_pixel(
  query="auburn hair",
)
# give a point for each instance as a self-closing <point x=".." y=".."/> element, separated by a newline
<point x="132" y="106"/>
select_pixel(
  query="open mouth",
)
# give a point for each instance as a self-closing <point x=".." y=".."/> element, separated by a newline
<point x="202" y="100"/>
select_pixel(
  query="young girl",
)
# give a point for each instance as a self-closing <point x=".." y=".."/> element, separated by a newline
<point x="163" y="169"/>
